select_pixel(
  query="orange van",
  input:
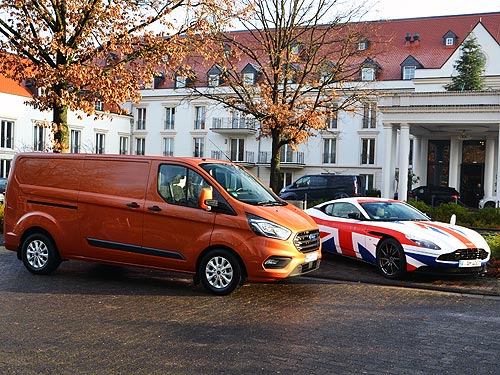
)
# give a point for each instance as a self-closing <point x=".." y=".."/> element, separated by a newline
<point x="210" y="218"/>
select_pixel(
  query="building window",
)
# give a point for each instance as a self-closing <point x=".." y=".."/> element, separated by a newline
<point x="141" y="119"/>
<point x="180" y="82"/>
<point x="248" y="78"/>
<point x="7" y="136"/>
<point x="100" y="143"/>
<point x="169" y="118"/>
<point x="368" y="181"/>
<point x="285" y="179"/>
<point x="199" y="121"/>
<point x="140" y="146"/>
<point x="370" y="115"/>
<point x="368" y="74"/>
<point x="362" y="45"/>
<point x="331" y="120"/>
<point x="98" y="105"/>
<point x="368" y="151"/>
<point x="449" y="41"/>
<point x="409" y="72"/>
<point x="329" y="150"/>
<point x="123" y="145"/>
<point x="76" y="141"/>
<point x="5" y="167"/>
<point x="39" y="135"/>
<point x="168" y="147"/>
<point x="199" y="145"/>
<point x="213" y="80"/>
<point x="286" y="154"/>
<point x="237" y="150"/>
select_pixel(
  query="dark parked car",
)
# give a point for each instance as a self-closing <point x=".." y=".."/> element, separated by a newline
<point x="324" y="186"/>
<point x="435" y="195"/>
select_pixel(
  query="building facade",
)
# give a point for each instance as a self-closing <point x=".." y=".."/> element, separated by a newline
<point x="410" y="122"/>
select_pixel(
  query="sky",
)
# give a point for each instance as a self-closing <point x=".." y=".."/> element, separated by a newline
<point x="394" y="9"/>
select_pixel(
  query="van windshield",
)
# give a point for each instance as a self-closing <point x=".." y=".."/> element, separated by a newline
<point x="241" y="184"/>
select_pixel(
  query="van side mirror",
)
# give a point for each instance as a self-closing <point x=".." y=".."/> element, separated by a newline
<point x="206" y="201"/>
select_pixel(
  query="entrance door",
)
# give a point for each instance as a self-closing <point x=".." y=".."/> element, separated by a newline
<point x="470" y="176"/>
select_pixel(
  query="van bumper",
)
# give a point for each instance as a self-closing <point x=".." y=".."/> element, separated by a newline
<point x="297" y="265"/>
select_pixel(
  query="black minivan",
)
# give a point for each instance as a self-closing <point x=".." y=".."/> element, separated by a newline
<point x="324" y="186"/>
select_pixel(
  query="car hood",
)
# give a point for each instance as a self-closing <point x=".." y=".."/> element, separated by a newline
<point x="442" y="234"/>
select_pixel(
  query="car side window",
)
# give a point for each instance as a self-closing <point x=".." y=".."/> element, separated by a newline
<point x="342" y="209"/>
<point x="179" y="185"/>
<point x="302" y="182"/>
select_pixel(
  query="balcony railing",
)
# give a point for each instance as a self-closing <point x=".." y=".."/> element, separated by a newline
<point x="295" y="157"/>
<point x="249" y="157"/>
<point x="235" y="123"/>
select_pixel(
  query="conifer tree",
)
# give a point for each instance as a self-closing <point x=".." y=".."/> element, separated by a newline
<point x="470" y="67"/>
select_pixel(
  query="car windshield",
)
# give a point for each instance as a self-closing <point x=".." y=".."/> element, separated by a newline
<point x="392" y="211"/>
<point x="242" y="185"/>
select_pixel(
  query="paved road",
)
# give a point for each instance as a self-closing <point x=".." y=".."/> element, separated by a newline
<point x="94" y="319"/>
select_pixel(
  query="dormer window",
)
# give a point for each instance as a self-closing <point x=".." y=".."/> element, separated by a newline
<point x="180" y="81"/>
<point x="368" y="74"/>
<point x="249" y="74"/>
<point x="363" y="45"/>
<point x="295" y="48"/>
<point x="184" y="78"/>
<point x="409" y="66"/>
<point x="214" y="76"/>
<point x="450" y="39"/>
<point x="369" y="70"/>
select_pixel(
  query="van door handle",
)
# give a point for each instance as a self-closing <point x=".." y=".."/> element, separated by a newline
<point x="133" y="205"/>
<point x="154" y="208"/>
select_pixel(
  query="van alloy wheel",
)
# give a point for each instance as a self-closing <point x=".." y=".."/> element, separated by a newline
<point x="39" y="254"/>
<point x="220" y="272"/>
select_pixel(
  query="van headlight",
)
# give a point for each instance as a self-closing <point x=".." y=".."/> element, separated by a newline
<point x="267" y="228"/>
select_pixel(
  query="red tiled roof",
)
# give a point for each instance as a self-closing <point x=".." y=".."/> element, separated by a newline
<point x="388" y="46"/>
<point x="430" y="50"/>
<point x="9" y="86"/>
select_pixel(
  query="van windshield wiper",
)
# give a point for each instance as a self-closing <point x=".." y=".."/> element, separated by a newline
<point x="270" y="203"/>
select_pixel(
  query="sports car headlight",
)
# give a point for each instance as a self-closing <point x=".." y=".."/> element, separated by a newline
<point x="423" y="243"/>
<point x="266" y="228"/>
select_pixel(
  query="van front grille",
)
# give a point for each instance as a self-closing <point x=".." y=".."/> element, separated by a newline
<point x="307" y="241"/>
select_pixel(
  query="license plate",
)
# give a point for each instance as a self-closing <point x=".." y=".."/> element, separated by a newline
<point x="311" y="257"/>
<point x="469" y="263"/>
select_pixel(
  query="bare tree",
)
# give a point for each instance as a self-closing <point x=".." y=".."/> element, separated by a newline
<point x="295" y="64"/>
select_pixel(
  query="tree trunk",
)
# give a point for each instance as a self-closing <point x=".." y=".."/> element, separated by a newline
<point x="274" y="179"/>
<point x="60" y="128"/>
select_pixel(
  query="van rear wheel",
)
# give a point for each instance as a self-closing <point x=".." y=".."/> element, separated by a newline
<point x="39" y="254"/>
<point x="220" y="272"/>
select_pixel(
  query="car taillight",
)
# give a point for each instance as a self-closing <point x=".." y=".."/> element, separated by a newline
<point x="455" y="196"/>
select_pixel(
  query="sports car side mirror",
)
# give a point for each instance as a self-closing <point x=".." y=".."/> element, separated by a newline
<point x="354" y="215"/>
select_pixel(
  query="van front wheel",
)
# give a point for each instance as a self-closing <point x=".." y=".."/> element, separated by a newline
<point x="220" y="272"/>
<point x="39" y="254"/>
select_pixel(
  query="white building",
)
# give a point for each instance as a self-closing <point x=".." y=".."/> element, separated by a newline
<point x="445" y="138"/>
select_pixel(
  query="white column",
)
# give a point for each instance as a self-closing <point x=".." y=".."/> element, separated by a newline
<point x="489" y="167"/>
<point x="453" y="175"/>
<point x="386" y="165"/>
<point x="495" y="187"/>
<point x="424" y="159"/>
<point x="404" y="155"/>
<point x="416" y="162"/>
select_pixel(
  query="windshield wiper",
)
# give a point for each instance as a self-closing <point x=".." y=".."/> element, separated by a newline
<point x="271" y="203"/>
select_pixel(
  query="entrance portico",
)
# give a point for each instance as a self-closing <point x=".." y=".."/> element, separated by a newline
<point x="455" y="138"/>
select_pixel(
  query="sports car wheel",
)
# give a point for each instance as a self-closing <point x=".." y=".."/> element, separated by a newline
<point x="391" y="259"/>
<point x="220" y="272"/>
<point x="39" y="254"/>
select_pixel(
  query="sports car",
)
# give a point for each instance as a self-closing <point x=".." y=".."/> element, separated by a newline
<point x="397" y="238"/>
